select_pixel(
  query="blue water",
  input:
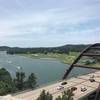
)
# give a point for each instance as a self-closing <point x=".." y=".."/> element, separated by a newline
<point x="46" y="70"/>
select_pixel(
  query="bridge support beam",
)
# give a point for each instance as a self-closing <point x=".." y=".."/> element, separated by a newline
<point x="83" y="53"/>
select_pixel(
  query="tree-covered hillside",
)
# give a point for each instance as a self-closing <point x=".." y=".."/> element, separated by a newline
<point x="45" y="50"/>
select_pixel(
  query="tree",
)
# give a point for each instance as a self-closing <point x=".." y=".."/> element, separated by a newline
<point x="31" y="81"/>
<point x="3" y="88"/>
<point x="19" y="81"/>
<point x="7" y="85"/>
<point x="6" y="82"/>
<point x="59" y="98"/>
<point x="5" y="76"/>
<point x="45" y="96"/>
<point x="87" y="62"/>
<point x="66" y="95"/>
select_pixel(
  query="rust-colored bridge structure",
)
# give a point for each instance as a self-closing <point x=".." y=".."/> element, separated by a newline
<point x="85" y="52"/>
<point x="91" y="51"/>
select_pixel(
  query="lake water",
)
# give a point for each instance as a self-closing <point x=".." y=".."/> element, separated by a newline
<point x="46" y="70"/>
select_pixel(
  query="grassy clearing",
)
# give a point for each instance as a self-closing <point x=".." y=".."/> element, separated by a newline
<point x="65" y="58"/>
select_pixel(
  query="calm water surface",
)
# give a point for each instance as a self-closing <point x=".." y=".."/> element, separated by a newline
<point x="46" y="70"/>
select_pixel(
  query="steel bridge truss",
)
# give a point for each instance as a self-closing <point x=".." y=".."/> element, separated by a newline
<point x="92" y="51"/>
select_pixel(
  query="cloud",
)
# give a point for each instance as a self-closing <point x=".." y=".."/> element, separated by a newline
<point x="63" y="22"/>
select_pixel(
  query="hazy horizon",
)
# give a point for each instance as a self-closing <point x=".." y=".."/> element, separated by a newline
<point x="49" y="23"/>
<point x="41" y="47"/>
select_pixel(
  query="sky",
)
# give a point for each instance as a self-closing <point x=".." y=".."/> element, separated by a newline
<point x="49" y="23"/>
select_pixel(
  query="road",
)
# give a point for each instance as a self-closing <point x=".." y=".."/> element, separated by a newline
<point x="77" y="82"/>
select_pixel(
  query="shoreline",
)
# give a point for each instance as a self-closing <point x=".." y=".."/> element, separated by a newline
<point x="62" y="60"/>
<point x="43" y="58"/>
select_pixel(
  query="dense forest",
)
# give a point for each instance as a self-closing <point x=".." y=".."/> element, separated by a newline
<point x="61" y="49"/>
